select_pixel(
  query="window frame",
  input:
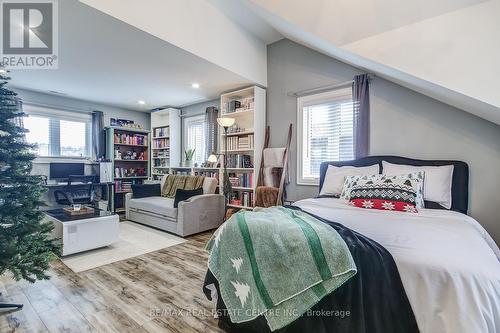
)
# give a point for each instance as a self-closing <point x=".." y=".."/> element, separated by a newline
<point x="186" y="122"/>
<point x="317" y="98"/>
<point x="63" y="115"/>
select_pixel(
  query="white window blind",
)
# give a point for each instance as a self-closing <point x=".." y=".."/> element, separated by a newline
<point x="194" y="137"/>
<point x="325" y="132"/>
<point x="58" y="133"/>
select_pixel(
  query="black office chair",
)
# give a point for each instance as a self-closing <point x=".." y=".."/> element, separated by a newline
<point x="80" y="190"/>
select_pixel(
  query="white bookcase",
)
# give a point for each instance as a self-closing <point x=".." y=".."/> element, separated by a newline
<point x="245" y="142"/>
<point x="165" y="141"/>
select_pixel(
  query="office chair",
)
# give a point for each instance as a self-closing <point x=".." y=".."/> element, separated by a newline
<point x="80" y="193"/>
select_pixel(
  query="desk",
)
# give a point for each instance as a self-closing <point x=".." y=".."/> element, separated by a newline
<point x="109" y="190"/>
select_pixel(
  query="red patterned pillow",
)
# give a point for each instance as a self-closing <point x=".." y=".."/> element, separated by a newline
<point x="388" y="194"/>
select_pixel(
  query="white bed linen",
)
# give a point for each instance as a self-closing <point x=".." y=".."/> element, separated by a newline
<point x="449" y="265"/>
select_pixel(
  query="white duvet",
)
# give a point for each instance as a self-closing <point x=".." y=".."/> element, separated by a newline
<point x="448" y="263"/>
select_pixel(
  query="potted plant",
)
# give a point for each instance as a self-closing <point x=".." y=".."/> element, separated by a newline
<point x="189" y="153"/>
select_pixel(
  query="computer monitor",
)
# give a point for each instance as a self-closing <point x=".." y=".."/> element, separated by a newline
<point x="61" y="171"/>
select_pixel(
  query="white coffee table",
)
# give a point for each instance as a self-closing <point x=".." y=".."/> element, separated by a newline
<point x="84" y="232"/>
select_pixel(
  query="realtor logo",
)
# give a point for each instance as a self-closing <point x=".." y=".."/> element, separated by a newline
<point x="29" y="36"/>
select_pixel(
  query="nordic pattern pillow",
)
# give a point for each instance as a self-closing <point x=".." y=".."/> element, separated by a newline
<point x="388" y="194"/>
<point x="351" y="181"/>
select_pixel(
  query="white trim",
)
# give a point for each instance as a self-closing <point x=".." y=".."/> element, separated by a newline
<point x="305" y="101"/>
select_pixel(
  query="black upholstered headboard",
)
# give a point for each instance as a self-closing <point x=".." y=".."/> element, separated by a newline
<point x="460" y="181"/>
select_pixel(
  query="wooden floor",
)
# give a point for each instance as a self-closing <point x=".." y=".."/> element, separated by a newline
<point x="156" y="292"/>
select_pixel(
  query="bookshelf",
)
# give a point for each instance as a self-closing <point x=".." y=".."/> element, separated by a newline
<point x="165" y="141"/>
<point x="245" y="141"/>
<point x="128" y="150"/>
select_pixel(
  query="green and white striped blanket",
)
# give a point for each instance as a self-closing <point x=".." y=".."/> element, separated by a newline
<point x="277" y="262"/>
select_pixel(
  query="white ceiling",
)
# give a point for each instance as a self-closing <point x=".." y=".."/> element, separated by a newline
<point x="345" y="21"/>
<point x="104" y="60"/>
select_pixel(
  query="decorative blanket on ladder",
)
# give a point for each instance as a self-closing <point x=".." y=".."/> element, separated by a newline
<point x="277" y="262"/>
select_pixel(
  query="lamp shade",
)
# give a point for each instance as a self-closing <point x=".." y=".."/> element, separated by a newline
<point x="225" y="121"/>
<point x="212" y="158"/>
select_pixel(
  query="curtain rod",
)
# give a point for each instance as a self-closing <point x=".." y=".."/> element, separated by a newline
<point x="192" y="114"/>
<point x="57" y="107"/>
<point x="319" y="89"/>
<point x="324" y="88"/>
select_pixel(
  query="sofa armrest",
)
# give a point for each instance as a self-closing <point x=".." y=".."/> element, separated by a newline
<point x="128" y="196"/>
<point x="200" y="213"/>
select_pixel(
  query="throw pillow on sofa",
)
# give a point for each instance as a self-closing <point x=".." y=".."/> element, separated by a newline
<point x="181" y="195"/>
<point x="146" y="190"/>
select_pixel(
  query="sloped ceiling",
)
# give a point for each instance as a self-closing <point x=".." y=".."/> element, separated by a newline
<point x="106" y="61"/>
<point x="446" y="49"/>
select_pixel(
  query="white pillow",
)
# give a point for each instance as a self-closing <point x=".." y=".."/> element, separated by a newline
<point x="437" y="181"/>
<point x="335" y="176"/>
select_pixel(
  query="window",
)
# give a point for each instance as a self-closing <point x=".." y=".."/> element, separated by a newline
<point x="325" y="132"/>
<point x="58" y="133"/>
<point x="194" y="137"/>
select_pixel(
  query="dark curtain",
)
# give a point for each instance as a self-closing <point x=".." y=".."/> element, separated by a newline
<point x="98" y="141"/>
<point x="361" y="121"/>
<point x="211" y="127"/>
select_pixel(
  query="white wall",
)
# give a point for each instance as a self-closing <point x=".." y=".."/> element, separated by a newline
<point x="197" y="26"/>
<point x="403" y="123"/>
<point x="458" y="50"/>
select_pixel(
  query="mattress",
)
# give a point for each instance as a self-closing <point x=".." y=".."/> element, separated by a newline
<point x="448" y="263"/>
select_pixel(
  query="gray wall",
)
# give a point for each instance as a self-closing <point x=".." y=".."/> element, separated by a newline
<point x="403" y="122"/>
<point x="142" y="118"/>
<point x="195" y="109"/>
<point x="41" y="165"/>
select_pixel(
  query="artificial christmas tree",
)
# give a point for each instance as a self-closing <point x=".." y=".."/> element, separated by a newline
<point x="25" y="245"/>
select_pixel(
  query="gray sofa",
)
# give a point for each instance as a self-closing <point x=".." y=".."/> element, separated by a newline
<point x="197" y="214"/>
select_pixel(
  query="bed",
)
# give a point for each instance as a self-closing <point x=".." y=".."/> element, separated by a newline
<point x="448" y="264"/>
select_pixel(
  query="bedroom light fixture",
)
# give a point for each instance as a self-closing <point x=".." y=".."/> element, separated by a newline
<point x="212" y="158"/>
<point x="141" y="102"/>
<point x="226" y="122"/>
<point x="195" y="85"/>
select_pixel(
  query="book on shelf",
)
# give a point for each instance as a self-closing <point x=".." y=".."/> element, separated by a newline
<point x="239" y="161"/>
<point x="240" y="143"/>
<point x="161" y="132"/>
<point x="241" y="180"/>
<point x="242" y="199"/>
<point x="130" y="139"/>
<point x="161" y="143"/>
<point x="129" y="172"/>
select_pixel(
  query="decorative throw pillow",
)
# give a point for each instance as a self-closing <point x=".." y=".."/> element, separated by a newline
<point x="388" y="194"/>
<point x="351" y="181"/>
<point x="146" y="190"/>
<point x="181" y="195"/>
<point x="335" y="177"/>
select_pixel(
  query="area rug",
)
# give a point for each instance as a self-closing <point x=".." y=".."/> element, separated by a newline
<point x="135" y="240"/>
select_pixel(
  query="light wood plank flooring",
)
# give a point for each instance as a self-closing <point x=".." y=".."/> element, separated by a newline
<point x="156" y="292"/>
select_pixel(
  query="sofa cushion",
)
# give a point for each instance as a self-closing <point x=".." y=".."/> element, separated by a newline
<point x="181" y="195"/>
<point x="156" y="205"/>
<point x="210" y="185"/>
<point x="146" y="190"/>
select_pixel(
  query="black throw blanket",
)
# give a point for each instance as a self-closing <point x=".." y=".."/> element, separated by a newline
<point x="374" y="300"/>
